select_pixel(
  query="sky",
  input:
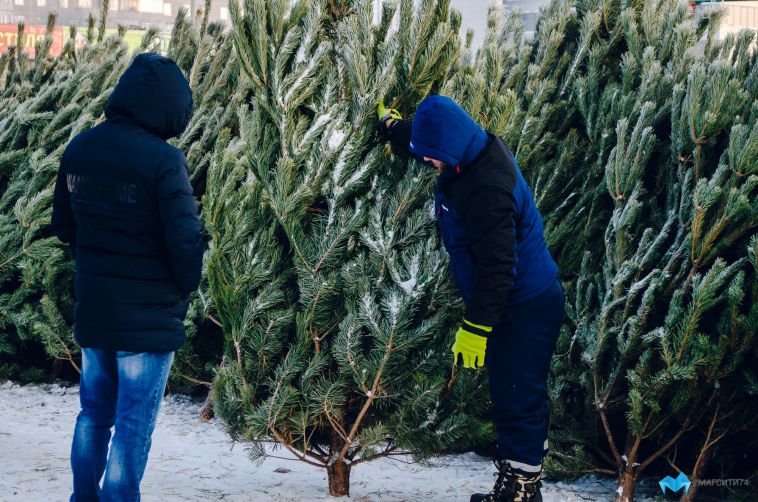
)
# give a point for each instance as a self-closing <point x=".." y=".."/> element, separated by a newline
<point x="474" y="13"/>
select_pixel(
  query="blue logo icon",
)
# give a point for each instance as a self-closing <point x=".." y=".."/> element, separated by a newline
<point x="675" y="484"/>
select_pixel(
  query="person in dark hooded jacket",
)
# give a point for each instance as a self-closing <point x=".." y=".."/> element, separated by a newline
<point x="124" y="203"/>
<point x="493" y="232"/>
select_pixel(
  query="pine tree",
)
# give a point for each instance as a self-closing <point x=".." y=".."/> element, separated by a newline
<point x="324" y="266"/>
<point x="607" y="108"/>
<point x="205" y="53"/>
<point x="666" y="315"/>
<point x="324" y="273"/>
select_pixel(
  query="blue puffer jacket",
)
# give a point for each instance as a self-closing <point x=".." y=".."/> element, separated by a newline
<point x="123" y="200"/>
<point x="486" y="214"/>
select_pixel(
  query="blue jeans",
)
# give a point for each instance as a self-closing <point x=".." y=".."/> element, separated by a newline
<point x="122" y="389"/>
<point x="518" y="357"/>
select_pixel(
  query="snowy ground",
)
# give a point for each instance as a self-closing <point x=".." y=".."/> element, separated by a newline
<point x="195" y="461"/>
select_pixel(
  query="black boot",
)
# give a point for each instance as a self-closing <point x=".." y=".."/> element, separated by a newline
<point x="512" y="485"/>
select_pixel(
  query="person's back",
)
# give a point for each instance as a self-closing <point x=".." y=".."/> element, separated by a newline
<point x="482" y="167"/>
<point x="124" y="202"/>
<point x="535" y="269"/>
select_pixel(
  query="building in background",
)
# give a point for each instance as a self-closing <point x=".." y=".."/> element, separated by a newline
<point x="474" y="14"/>
<point x="137" y="14"/>
<point x="739" y="14"/>
<point x="141" y="14"/>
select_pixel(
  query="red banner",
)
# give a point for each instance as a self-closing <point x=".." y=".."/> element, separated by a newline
<point x="32" y="35"/>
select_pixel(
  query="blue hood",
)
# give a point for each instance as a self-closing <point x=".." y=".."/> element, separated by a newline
<point x="443" y="130"/>
<point x="152" y="94"/>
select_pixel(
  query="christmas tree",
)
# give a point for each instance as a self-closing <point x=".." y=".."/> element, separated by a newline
<point x="206" y="55"/>
<point x="661" y="345"/>
<point x="325" y="267"/>
<point x="640" y="146"/>
<point x="325" y="281"/>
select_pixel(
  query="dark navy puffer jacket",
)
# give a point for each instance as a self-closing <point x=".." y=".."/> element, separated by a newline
<point x="123" y="200"/>
<point x="486" y="214"/>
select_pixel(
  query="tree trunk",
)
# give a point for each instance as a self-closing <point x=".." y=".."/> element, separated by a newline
<point x="627" y="482"/>
<point x="697" y="471"/>
<point x="338" y="471"/>
<point x="702" y="459"/>
<point x="56" y="368"/>
<point x="206" y="412"/>
<point x="339" y="479"/>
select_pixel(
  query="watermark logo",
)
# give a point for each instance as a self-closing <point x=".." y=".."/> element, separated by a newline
<point x="675" y="484"/>
<point x="730" y="482"/>
<point x="682" y="481"/>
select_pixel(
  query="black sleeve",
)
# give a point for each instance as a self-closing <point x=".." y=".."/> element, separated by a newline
<point x="63" y="224"/>
<point x="182" y="231"/>
<point x="489" y="222"/>
<point x="399" y="134"/>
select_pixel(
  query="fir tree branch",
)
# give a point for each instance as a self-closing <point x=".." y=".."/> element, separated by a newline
<point x="703" y="454"/>
<point x="195" y="380"/>
<point x="300" y="455"/>
<point x="293" y="242"/>
<point x="590" y="469"/>
<point x="333" y="244"/>
<point x="386" y="453"/>
<point x="337" y="427"/>
<point x="307" y="443"/>
<point x="3" y="264"/>
<point x="238" y="350"/>
<point x="314" y="333"/>
<point x="594" y="447"/>
<point x="667" y="446"/>
<point x="320" y="450"/>
<point x="608" y="433"/>
<point x="350" y="456"/>
<point x="370" y="400"/>
<point x="70" y="359"/>
<point x="213" y="320"/>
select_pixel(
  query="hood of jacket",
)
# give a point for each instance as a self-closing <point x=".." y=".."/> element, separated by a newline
<point x="442" y="130"/>
<point x="152" y="94"/>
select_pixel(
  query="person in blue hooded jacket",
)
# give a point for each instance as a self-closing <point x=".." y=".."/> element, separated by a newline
<point x="493" y="232"/>
<point x="124" y="203"/>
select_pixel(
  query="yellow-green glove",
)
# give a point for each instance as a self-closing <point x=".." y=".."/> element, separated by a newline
<point x="471" y="344"/>
<point x="385" y="114"/>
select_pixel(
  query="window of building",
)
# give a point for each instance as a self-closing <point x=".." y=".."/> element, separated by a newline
<point x="154" y="6"/>
<point x="41" y="3"/>
<point x="18" y="2"/>
<point x="85" y="4"/>
<point x="63" y="4"/>
<point x="166" y="9"/>
<point x="223" y="13"/>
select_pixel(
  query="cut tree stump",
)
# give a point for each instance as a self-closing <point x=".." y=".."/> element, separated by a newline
<point x="206" y="412"/>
